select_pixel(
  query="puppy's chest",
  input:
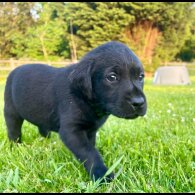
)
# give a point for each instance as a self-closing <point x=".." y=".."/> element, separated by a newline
<point x="85" y="116"/>
<point x="94" y="124"/>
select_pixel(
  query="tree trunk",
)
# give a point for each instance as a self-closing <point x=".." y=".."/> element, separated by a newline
<point x="73" y="45"/>
<point x="44" y="48"/>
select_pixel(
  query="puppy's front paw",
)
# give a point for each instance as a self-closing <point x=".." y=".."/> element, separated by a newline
<point x="99" y="173"/>
<point x="108" y="178"/>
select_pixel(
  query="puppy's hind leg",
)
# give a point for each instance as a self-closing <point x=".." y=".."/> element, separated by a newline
<point x="14" y="124"/>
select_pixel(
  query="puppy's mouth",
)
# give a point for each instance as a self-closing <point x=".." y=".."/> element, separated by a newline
<point x="140" y="111"/>
<point x="126" y="116"/>
<point x="129" y="112"/>
<point x="131" y="115"/>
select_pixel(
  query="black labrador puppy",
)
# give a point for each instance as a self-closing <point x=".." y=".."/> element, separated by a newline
<point x="76" y="100"/>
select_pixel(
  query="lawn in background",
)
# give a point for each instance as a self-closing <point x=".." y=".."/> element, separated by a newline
<point x="154" y="153"/>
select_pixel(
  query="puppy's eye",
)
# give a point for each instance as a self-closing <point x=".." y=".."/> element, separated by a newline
<point x="112" y="77"/>
<point x="141" y="77"/>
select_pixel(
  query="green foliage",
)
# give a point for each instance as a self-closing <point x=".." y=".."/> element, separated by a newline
<point x="157" y="32"/>
<point x="160" y="30"/>
<point x="176" y="23"/>
<point x="96" y="23"/>
<point x="187" y="52"/>
<point x="46" y="36"/>
<point x="15" y="18"/>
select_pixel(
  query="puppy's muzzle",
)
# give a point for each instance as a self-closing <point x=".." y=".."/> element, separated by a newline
<point x="138" y="104"/>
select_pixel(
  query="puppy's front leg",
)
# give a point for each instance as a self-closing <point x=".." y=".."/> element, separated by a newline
<point x="92" y="137"/>
<point x="78" y="142"/>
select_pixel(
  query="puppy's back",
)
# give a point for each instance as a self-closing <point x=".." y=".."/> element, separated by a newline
<point x="29" y="90"/>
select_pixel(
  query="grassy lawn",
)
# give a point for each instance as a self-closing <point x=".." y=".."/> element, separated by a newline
<point x="155" y="153"/>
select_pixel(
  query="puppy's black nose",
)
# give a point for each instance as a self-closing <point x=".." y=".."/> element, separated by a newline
<point x="137" y="102"/>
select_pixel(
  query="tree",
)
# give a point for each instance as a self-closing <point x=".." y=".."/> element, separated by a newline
<point x="46" y="36"/>
<point x="187" y="52"/>
<point x="154" y="31"/>
<point x="95" y="24"/>
<point x="15" y="18"/>
<point x="159" y="31"/>
<point x="175" y="24"/>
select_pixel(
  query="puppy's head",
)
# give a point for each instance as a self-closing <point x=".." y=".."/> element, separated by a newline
<point x="113" y="77"/>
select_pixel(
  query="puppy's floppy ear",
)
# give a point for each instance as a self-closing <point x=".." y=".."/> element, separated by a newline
<point x="80" y="79"/>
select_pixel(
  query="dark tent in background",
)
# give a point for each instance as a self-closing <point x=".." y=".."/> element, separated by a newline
<point x="171" y="75"/>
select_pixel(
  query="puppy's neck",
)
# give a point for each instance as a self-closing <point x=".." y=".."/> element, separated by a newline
<point x="99" y="112"/>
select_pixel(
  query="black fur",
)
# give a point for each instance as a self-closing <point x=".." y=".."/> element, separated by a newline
<point x="76" y="100"/>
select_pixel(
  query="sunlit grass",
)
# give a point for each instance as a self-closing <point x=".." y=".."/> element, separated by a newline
<point x="155" y="153"/>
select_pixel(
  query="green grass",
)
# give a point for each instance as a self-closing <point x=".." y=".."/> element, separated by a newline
<point x="155" y="153"/>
